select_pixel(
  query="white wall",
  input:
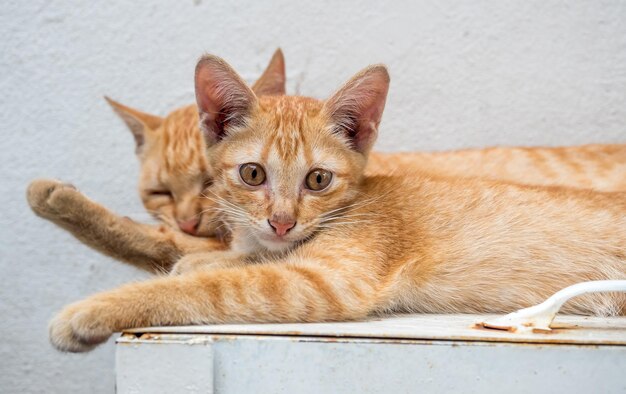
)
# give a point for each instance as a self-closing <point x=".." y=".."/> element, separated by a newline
<point x="464" y="73"/>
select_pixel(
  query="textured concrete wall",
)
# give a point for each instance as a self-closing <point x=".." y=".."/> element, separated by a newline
<point x="464" y="73"/>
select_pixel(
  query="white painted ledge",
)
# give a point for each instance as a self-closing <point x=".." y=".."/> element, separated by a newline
<point x="407" y="354"/>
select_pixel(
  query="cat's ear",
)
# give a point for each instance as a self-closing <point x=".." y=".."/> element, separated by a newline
<point x="224" y="100"/>
<point x="357" y="107"/>
<point x="138" y="122"/>
<point x="272" y="82"/>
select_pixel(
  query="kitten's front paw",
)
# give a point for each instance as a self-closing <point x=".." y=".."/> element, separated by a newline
<point x="49" y="197"/>
<point x="80" y="327"/>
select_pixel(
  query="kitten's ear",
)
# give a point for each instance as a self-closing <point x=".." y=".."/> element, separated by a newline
<point x="272" y="82"/>
<point x="357" y="108"/>
<point x="138" y="122"/>
<point x="223" y="97"/>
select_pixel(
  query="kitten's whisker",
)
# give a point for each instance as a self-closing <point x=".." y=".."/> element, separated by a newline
<point x="355" y="215"/>
<point x="354" y="206"/>
<point x="223" y="204"/>
<point x="334" y="224"/>
<point x="220" y="199"/>
<point x="232" y="212"/>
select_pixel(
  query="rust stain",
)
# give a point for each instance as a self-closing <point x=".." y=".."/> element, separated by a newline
<point x="490" y="327"/>
<point x="557" y="325"/>
<point x="148" y="336"/>
<point x="555" y="328"/>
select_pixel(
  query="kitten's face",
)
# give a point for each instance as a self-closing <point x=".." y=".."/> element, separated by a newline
<point x="282" y="175"/>
<point x="283" y="166"/>
<point x="174" y="180"/>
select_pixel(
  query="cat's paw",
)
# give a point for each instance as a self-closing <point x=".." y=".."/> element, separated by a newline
<point x="49" y="197"/>
<point x="80" y="327"/>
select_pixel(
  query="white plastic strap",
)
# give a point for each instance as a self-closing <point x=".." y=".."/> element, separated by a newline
<point x="539" y="317"/>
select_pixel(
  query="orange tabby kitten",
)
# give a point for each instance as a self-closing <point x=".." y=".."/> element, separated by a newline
<point x="331" y="244"/>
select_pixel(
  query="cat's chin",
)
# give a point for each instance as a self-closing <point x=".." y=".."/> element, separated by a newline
<point x="276" y="245"/>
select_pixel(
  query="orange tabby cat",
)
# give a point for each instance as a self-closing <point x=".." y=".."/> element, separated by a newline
<point x="331" y="244"/>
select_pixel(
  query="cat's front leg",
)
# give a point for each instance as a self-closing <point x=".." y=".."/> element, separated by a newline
<point x="298" y="290"/>
<point x="153" y="248"/>
<point x="81" y="326"/>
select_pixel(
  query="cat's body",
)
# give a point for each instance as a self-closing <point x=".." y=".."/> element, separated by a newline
<point x="315" y="241"/>
<point x="594" y="166"/>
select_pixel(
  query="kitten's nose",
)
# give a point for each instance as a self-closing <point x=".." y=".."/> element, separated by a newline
<point x="190" y="226"/>
<point x="281" y="226"/>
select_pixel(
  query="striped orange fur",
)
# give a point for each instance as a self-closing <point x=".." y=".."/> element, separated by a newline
<point x="361" y="245"/>
<point x="594" y="166"/>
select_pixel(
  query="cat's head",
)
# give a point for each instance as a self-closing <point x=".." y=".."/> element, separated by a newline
<point x="173" y="178"/>
<point x="283" y="166"/>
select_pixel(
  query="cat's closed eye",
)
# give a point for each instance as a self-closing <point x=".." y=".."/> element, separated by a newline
<point x="318" y="179"/>
<point x="208" y="182"/>
<point x="252" y="174"/>
<point x="160" y="193"/>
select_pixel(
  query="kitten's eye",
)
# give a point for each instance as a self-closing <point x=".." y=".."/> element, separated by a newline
<point x="318" y="179"/>
<point x="157" y="193"/>
<point x="252" y="174"/>
<point x="207" y="183"/>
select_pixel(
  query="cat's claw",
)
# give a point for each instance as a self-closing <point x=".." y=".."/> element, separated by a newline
<point x="49" y="197"/>
<point x="79" y="328"/>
